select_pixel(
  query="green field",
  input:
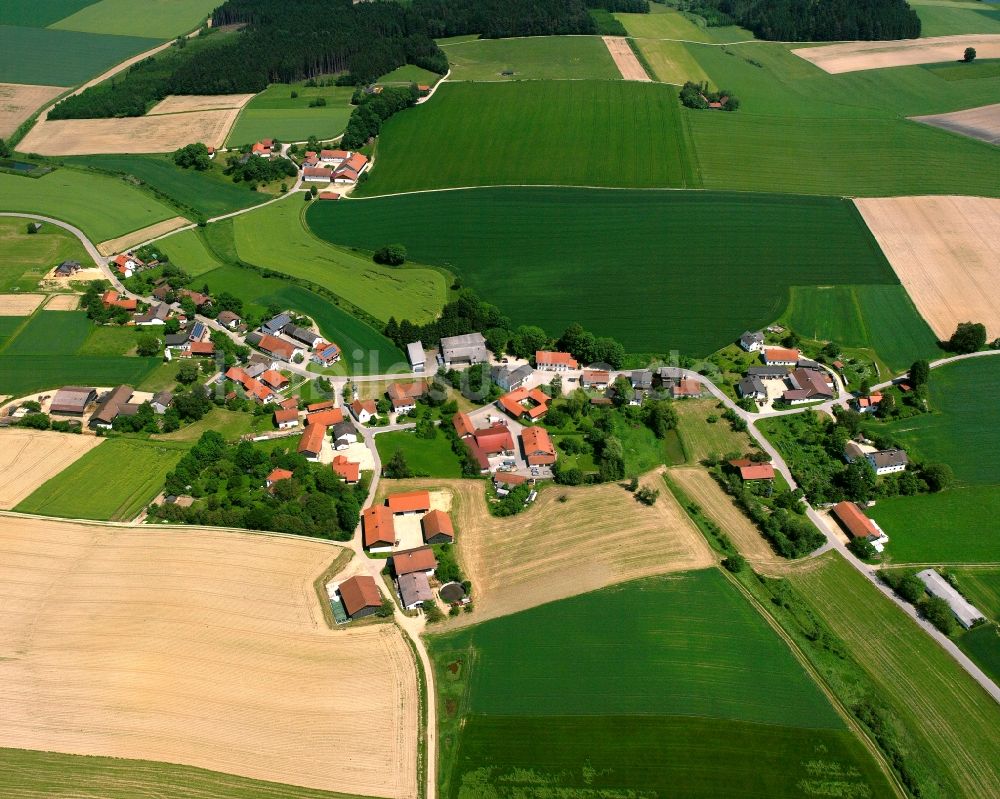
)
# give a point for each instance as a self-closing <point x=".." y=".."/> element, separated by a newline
<point x="982" y="644"/>
<point x="409" y="73"/>
<point x="672" y="62"/>
<point x="275" y="237"/>
<point x="229" y="424"/>
<point x="640" y="270"/>
<point x="69" y="195"/>
<point x="208" y="193"/>
<point x="703" y="438"/>
<point x="157" y="19"/>
<point x="188" y="250"/>
<point x="950" y="18"/>
<point x="275" y="114"/>
<point x="111" y="341"/>
<point x="33" y="775"/>
<point x="881" y="317"/>
<point x="33" y="14"/>
<point x="668" y="23"/>
<point x="112" y="482"/>
<point x="952" y="719"/>
<point x="25" y="259"/>
<point x="585" y="133"/>
<point x="950" y="71"/>
<point x="46" y="353"/>
<point x="661" y="687"/>
<point x="62" y="58"/>
<point x="982" y="588"/>
<point x="532" y="58"/>
<point x="426" y="457"/>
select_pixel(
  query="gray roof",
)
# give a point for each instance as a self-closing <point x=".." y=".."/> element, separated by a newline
<point x="158" y="311"/>
<point x="255" y="369"/>
<point x="751" y="337"/>
<point x="889" y="457"/>
<point x="163" y="398"/>
<point x="504" y="374"/>
<point x="642" y="378"/>
<point x="302" y="334"/>
<point x="113" y="403"/>
<point x="225" y="317"/>
<point x="175" y="339"/>
<point x="71" y="399"/>
<point x="344" y="428"/>
<point x="277" y="323"/>
<point x="750" y="385"/>
<point x="764" y="372"/>
<point x="253" y="339"/>
<point x="415" y="352"/>
<point x="805" y="363"/>
<point x="414" y="587"/>
<point x="936" y="585"/>
<point x="469" y="347"/>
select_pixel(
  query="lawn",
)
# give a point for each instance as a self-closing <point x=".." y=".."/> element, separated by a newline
<point x="585" y="133"/>
<point x="229" y="424"/>
<point x="982" y="588"/>
<point x="584" y="461"/>
<point x="275" y="237"/>
<point x="945" y="18"/>
<point x="33" y="14"/>
<point x="532" y="58"/>
<point x="69" y="195"/>
<point x="274" y="113"/>
<point x="112" y="482"/>
<point x="104" y="341"/>
<point x="660" y="687"/>
<point x="982" y="644"/>
<point x="702" y="438"/>
<point x="952" y="719"/>
<point x="188" y="250"/>
<point x="880" y="317"/>
<point x="208" y="193"/>
<point x="426" y="457"/>
<point x="668" y="23"/>
<point x="978" y="69"/>
<point x="25" y="259"/>
<point x="409" y="73"/>
<point x="640" y="271"/>
<point x="158" y="19"/>
<point x="62" y="58"/>
<point x="25" y="773"/>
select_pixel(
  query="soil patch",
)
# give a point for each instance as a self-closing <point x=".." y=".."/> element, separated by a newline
<point x="184" y="103"/>
<point x="19" y="304"/>
<point x="30" y="457"/>
<point x="981" y="123"/>
<point x="63" y="302"/>
<point x="18" y="101"/>
<point x="625" y="58"/>
<point x="855" y="56"/>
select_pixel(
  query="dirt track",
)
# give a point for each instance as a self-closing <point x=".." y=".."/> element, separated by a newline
<point x="855" y="56"/>
<point x="200" y="647"/>
<point x="625" y="59"/>
<point x="598" y="537"/>
<point x="18" y="101"/>
<point x="123" y="243"/>
<point x="946" y="252"/>
<point x="30" y="457"/>
<point x="978" y="123"/>
<point x="19" y="304"/>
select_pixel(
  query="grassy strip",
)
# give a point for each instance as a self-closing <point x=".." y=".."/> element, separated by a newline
<point x="319" y="585"/>
<point x="641" y="57"/>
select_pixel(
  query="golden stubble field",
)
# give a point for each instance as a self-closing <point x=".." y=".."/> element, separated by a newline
<point x="855" y="56"/>
<point x="30" y="457"/>
<point x="598" y="537"/>
<point x="18" y="101"/>
<point x="946" y="253"/>
<point x="136" y="237"/>
<point x="628" y="65"/>
<point x="199" y="647"/>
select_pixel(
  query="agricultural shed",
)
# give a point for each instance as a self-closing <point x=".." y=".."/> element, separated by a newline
<point x="409" y="502"/>
<point x="72" y="400"/>
<point x="420" y="559"/>
<point x="966" y="613"/>
<point x="437" y="527"/>
<point x="379" y="528"/>
<point x="360" y="596"/>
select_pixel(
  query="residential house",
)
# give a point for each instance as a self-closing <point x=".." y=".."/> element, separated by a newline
<point x="311" y="443"/>
<point x="752" y="341"/>
<point x="379" y="529"/>
<point x="966" y="613"/>
<point x="411" y="561"/>
<point x="752" y="387"/>
<point x="887" y="461"/>
<point x="463" y="424"/>
<point x="808" y="385"/>
<point x="347" y="470"/>
<point x="489" y="442"/>
<point x="524" y="403"/>
<point x="276" y="324"/>
<point x="72" y="400"/>
<point x="437" y="527"/>
<point x="175" y="340"/>
<point x="414" y="590"/>
<point x="780" y="356"/>
<point x="198" y="332"/>
<point x="303" y="335"/>
<point x="351" y="169"/>
<point x="286" y="419"/>
<point x="344" y="434"/>
<point x="311" y="158"/>
<point x="161" y="401"/>
<point x="751" y="471"/>
<point x="537" y="445"/>
<point x="112" y="298"/>
<point x="200" y="300"/>
<point x="115" y="402"/>
<point x="595" y="379"/>
<point x="328" y="417"/>
<point x="548" y="361"/>
<point x="335" y="157"/>
<point x="277" y="475"/>
<point x="263" y="148"/>
<point x="404" y="396"/>
<point x="359" y="595"/>
<point x="251" y="386"/>
<point x="127" y="265"/>
<point x="155" y="315"/>
<point x="274" y="379"/>
<point x="464" y="350"/>
<point x="510" y="379"/>
<point x="67" y="268"/>
<point x="275" y="347"/>
<point x="409" y="502"/>
<point x="316" y="174"/>
<point x="289" y="403"/>
<point x="229" y="319"/>
<point x="418" y="358"/>
<point x="868" y="404"/>
<point x="642" y="380"/>
<point x="858" y="525"/>
<point x="685" y="387"/>
<point x="363" y="410"/>
<point x="325" y="353"/>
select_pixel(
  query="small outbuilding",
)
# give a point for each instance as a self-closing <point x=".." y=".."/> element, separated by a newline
<point x="437" y="527"/>
<point x="359" y="596"/>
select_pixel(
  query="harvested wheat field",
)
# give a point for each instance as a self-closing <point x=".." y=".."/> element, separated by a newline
<point x="184" y="103"/>
<point x="199" y="647"/>
<point x="162" y="133"/>
<point x="63" y="302"/>
<point x="18" y="101"/>
<point x="625" y="59"/>
<point x="946" y="252"/>
<point x="19" y="304"/>
<point x="981" y="123"/>
<point x="598" y="537"/>
<point x="130" y="240"/>
<point x="30" y="457"/>
<point x="855" y="56"/>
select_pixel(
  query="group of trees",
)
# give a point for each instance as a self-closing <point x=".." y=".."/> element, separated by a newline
<point x="227" y="481"/>
<point x="253" y="170"/>
<point x="912" y="589"/>
<point x="371" y="110"/>
<point x="968" y="337"/>
<point x="193" y="156"/>
<point x="698" y="95"/>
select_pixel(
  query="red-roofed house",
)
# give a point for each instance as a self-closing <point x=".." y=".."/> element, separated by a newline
<point x="409" y="502"/>
<point x="325" y="353"/>
<point x="286" y="418"/>
<point x="329" y="195"/>
<point x="277" y="347"/>
<point x="404" y="396"/>
<point x="263" y="148"/>
<point x="335" y="157"/>
<point x="127" y="265"/>
<point x="276" y="475"/>
<point x="311" y="158"/>
<point x="351" y="169"/>
<point x="346" y="469"/>
<point x="316" y="174"/>
<point x="463" y="425"/>
<point x="555" y="361"/>
<point x="870" y="403"/>
<point x="779" y="356"/>
<point x="363" y="410"/>
<point x="409" y="561"/>
<point x="311" y="443"/>
<point x="437" y="527"/>
<point x="538" y="449"/>
<point x="596" y="379"/>
<point x="525" y="403"/>
<point x="274" y="379"/>
<point x="320" y="406"/>
<point x="198" y="349"/>
<point x="757" y="471"/>
<point x="494" y="440"/>
<point x="379" y="529"/>
<point x="112" y="298"/>
<point x="359" y="595"/>
<point x="685" y="387"/>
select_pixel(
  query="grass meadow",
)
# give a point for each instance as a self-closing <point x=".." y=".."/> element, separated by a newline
<point x="668" y="23"/>
<point x="672" y="62"/>
<point x="32" y="14"/>
<point x="409" y="73"/>
<point x="426" y="457"/>
<point x="207" y="193"/>
<point x="641" y="271"/>
<point x="982" y="644"/>
<point x="948" y="18"/>
<point x="662" y="687"/>
<point x="275" y="237"/>
<point x="274" y="113"/>
<point x="951" y="718"/>
<point x="25" y="259"/>
<point x="112" y="482"/>
<point x="62" y="58"/>
<point x="977" y="70"/>
<point x="159" y="19"/>
<point x="532" y="58"/>
<point x="702" y="438"/>
<point x="25" y="773"/>
<point x="69" y="195"/>
<point x="586" y="133"/>
<point x="188" y="250"/>
<point x="982" y="588"/>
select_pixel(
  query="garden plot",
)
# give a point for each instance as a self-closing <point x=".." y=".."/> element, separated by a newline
<point x="29" y="458"/>
<point x="18" y="101"/>
<point x="855" y="56"/>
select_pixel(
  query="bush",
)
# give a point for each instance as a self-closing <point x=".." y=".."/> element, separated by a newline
<point x="734" y="563"/>
<point x="938" y="613"/>
<point x="647" y="496"/>
<point x="862" y="548"/>
<point x="910" y="588"/>
<point x="390" y="255"/>
<point x="968" y="337"/>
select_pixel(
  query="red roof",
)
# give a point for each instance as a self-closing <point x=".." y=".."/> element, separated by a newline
<point x="437" y="522"/>
<point x="596" y="376"/>
<point x="545" y="357"/>
<point x="321" y="406"/>
<point x="329" y="195"/>
<point x="359" y="592"/>
<point x="494" y="439"/>
<point x="236" y="374"/>
<point x="349" y="470"/>
<point x="311" y="442"/>
<point x="412" y="390"/>
<point x="356" y="162"/>
<point x="291" y="403"/>
<point x="686" y="388"/>
<point x="757" y="471"/>
<point x="286" y="415"/>
<point x="276" y="346"/>
<point x="327" y="418"/>
<point x="279" y="474"/>
<point x="364" y="405"/>
<point x="521" y="401"/>
<point x="378" y="525"/>
<point x="463" y="424"/>
<point x="316" y="172"/>
<point x="201" y="348"/>
<point x="538" y="447"/>
<point x="414" y="560"/>
<point x="780" y="355"/>
<point x="857" y="524"/>
<point x="409" y="501"/>
<point x="341" y="154"/>
<point x="510" y="479"/>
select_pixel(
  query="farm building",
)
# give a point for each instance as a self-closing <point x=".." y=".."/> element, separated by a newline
<point x="347" y="470"/>
<point x="752" y="341"/>
<point x="767" y="372"/>
<point x="112" y="298"/>
<point x="548" y="361"/>
<point x="437" y="527"/>
<point x="752" y="387"/>
<point x="154" y="315"/>
<point x="72" y="400"/>
<point x="359" y="596"/>
<point x="524" y="403"/>
<point x="273" y="346"/>
<point x="335" y="157"/>
<point x="538" y="449"/>
<point x="414" y="590"/>
<point x="409" y="561"/>
<point x="113" y="404"/>
<point x="808" y="385"/>
<point x="409" y="502"/>
<point x="454" y="594"/>
<point x="161" y="401"/>
<point x="503" y="482"/>
<point x="276" y="324"/>
<point x="316" y="174"/>
<point x="325" y="418"/>
<point x="685" y="387"/>
<point x="311" y="443"/>
<point x="780" y="356"/>
<point x="303" y="335"/>
<point x="379" y="529"/>
<point x="888" y="461"/>
<point x="198" y="349"/>
<point x="511" y="379"/>
<point x="286" y="418"/>
<point x="463" y="425"/>
<point x="966" y="613"/>
<point x="750" y="471"/>
<point x="274" y="379"/>
<point x="364" y="410"/>
<point x="464" y="350"/>
<point x="418" y="358"/>
<point x="596" y="379"/>
<point x="858" y="525"/>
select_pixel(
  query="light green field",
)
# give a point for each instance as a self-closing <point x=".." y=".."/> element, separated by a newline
<point x="431" y="457"/>
<point x="274" y="113"/>
<point x="157" y="19"/>
<point x="954" y="720"/>
<point x="112" y="482"/>
<point x="703" y="438"/>
<point x="46" y="775"/>
<point x="101" y="206"/>
<point x="275" y="237"/>
<point x="533" y="58"/>
<point x="408" y="73"/>
<point x="672" y="62"/>
<point x="982" y="588"/>
<point x="25" y="259"/>
<point x="229" y="424"/>
<point x="104" y="341"/>
<point x="32" y="14"/>
<point x="188" y="251"/>
<point x="954" y="17"/>
<point x="668" y="23"/>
